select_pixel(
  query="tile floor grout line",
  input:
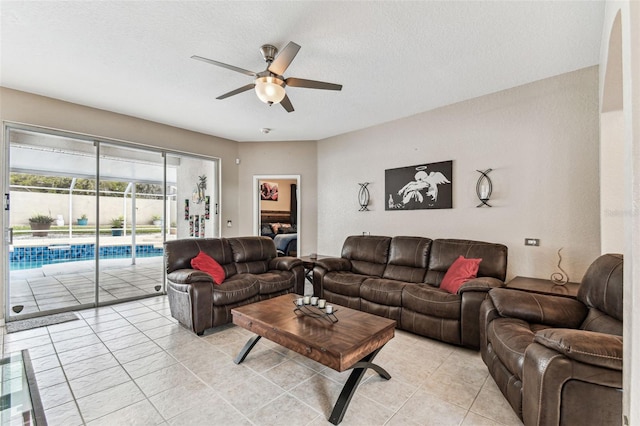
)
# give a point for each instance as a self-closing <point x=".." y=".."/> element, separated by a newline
<point x="67" y="381"/>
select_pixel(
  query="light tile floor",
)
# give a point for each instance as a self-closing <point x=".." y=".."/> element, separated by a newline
<point x="70" y="284"/>
<point x="133" y="364"/>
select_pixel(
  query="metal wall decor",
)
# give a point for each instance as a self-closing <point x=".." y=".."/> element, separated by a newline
<point x="560" y="278"/>
<point x="363" y="196"/>
<point x="484" y="187"/>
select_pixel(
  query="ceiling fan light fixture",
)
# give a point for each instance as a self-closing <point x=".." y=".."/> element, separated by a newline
<point x="270" y="90"/>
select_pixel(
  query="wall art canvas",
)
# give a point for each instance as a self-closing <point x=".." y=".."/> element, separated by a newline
<point x="425" y="186"/>
<point x="269" y="191"/>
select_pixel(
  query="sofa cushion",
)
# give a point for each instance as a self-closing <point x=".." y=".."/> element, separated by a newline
<point x="251" y="249"/>
<point x="509" y="338"/>
<point x="235" y="289"/>
<point x="276" y="281"/>
<point x="368" y="254"/>
<point x="408" y="259"/>
<point x="204" y="262"/>
<point x="445" y="251"/>
<point x="381" y="291"/>
<point x="601" y="288"/>
<point x="460" y="271"/>
<point x="431" y="301"/>
<point x="178" y="253"/>
<point x="345" y="283"/>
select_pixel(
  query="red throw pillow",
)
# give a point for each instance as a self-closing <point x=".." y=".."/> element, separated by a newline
<point x="205" y="263"/>
<point x="460" y="271"/>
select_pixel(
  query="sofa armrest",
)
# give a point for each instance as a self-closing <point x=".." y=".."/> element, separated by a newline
<point x="552" y="378"/>
<point x="188" y="276"/>
<point x="192" y="304"/>
<point x="481" y="284"/>
<point x="284" y="263"/>
<point x="589" y="347"/>
<point x="538" y="308"/>
<point x="331" y="264"/>
<point x="322" y="267"/>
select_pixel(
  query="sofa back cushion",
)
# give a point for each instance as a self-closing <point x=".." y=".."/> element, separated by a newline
<point x="252" y="254"/>
<point x="445" y="251"/>
<point x="368" y="254"/>
<point x="408" y="259"/>
<point x="178" y="253"/>
<point x="601" y="291"/>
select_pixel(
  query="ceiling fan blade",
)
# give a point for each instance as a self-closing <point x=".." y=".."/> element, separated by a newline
<point x="223" y="65"/>
<point x="312" y="84"/>
<point x="284" y="58"/>
<point x="286" y="104"/>
<point x="238" y="90"/>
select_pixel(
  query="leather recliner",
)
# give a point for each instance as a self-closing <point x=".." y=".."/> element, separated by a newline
<point x="399" y="278"/>
<point x="253" y="273"/>
<point x="557" y="360"/>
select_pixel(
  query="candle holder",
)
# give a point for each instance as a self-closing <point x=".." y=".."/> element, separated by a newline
<point x="484" y="187"/>
<point x="315" y="312"/>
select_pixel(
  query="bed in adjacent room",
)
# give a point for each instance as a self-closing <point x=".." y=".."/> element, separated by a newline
<point x="278" y="225"/>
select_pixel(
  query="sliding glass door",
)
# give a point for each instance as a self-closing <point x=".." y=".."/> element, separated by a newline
<point x="132" y="211"/>
<point x="108" y="207"/>
<point x="52" y="218"/>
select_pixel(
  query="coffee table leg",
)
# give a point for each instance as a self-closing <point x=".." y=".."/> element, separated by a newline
<point x="352" y="383"/>
<point x="246" y="349"/>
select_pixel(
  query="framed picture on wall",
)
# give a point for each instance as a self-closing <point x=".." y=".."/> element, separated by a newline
<point x="425" y="186"/>
<point x="269" y="191"/>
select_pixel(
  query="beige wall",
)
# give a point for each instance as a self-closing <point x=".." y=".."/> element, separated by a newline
<point x="296" y="158"/>
<point x="541" y="140"/>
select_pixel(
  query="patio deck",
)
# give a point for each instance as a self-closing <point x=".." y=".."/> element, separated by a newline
<point x="72" y="284"/>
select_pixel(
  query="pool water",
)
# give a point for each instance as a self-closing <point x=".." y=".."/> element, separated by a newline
<point x="36" y="256"/>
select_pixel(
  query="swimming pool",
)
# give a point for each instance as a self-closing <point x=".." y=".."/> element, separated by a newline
<point x="36" y="256"/>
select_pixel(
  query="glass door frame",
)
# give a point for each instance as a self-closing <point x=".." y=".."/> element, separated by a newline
<point x="5" y="172"/>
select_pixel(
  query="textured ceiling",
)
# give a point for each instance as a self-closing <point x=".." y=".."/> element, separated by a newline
<point x="394" y="59"/>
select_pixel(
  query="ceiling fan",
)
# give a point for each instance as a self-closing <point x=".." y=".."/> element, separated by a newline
<point x="269" y="84"/>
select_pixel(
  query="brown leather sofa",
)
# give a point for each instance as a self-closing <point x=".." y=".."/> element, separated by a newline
<point x="399" y="278"/>
<point x="557" y="360"/>
<point x="253" y="273"/>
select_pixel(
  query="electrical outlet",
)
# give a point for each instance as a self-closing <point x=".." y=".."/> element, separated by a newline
<point x="532" y="242"/>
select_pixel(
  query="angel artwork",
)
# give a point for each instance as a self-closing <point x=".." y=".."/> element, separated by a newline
<point x="426" y="186"/>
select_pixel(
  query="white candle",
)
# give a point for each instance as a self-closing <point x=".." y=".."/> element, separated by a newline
<point x="314" y="301"/>
<point x="321" y="303"/>
<point x="300" y="301"/>
<point x="307" y="300"/>
<point x="329" y="309"/>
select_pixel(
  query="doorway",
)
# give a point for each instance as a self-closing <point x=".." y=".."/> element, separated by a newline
<point x="106" y="208"/>
<point x="277" y="211"/>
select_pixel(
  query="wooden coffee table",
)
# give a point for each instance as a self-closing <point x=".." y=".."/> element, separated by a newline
<point x="351" y="343"/>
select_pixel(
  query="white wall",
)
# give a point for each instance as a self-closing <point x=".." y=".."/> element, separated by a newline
<point x="620" y="58"/>
<point x="612" y="209"/>
<point x="189" y="174"/>
<point x="26" y="204"/>
<point x="540" y="139"/>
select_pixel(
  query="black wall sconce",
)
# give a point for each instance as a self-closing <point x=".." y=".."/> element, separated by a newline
<point x="363" y="196"/>
<point x="484" y="187"/>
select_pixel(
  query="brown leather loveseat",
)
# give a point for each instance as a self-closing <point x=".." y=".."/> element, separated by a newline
<point x="399" y="278"/>
<point x="558" y="361"/>
<point x="252" y="269"/>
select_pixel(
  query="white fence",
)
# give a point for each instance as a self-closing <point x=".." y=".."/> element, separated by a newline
<point x="27" y="204"/>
